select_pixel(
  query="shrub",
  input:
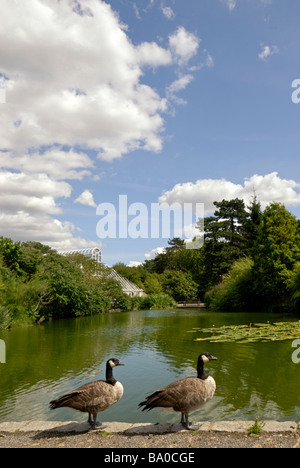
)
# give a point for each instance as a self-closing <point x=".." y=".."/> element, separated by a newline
<point x="153" y="301"/>
<point x="235" y="293"/>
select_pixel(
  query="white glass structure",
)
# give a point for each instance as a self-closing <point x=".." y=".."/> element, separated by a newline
<point x="128" y="287"/>
<point x="93" y="253"/>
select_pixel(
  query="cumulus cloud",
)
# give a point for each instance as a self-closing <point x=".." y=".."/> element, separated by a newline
<point x="86" y="198"/>
<point x="267" y="51"/>
<point x="62" y="88"/>
<point x="267" y="188"/>
<point x="183" y="45"/>
<point x="55" y="162"/>
<point x="150" y="53"/>
<point x="178" y="85"/>
<point x="43" y="228"/>
<point x="31" y="193"/>
<point x="28" y="203"/>
<point x="73" y="87"/>
<point x="168" y="12"/>
<point x="153" y="253"/>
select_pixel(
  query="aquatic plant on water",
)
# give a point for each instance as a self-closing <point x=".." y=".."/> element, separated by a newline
<point x="253" y="332"/>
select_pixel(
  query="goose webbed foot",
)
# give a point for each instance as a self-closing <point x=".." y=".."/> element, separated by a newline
<point x="95" y="426"/>
<point x="188" y="425"/>
<point x="98" y="426"/>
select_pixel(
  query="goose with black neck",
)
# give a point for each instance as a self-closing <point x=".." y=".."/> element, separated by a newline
<point x="185" y="395"/>
<point x="93" y="397"/>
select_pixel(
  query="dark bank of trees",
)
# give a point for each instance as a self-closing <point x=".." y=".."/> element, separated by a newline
<point x="250" y="261"/>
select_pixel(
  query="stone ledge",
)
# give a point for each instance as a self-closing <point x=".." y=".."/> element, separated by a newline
<point x="145" y="428"/>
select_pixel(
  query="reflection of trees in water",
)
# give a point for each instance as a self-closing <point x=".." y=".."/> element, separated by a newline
<point x="52" y="357"/>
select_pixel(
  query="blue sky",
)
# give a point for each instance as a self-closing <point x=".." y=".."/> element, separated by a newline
<point x="159" y="100"/>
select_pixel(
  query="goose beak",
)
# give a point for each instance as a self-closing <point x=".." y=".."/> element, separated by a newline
<point x="121" y="364"/>
<point x="213" y="358"/>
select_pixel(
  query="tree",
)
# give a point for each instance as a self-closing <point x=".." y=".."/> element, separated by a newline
<point x="275" y="254"/>
<point x="179" y="285"/>
<point x="231" y="216"/>
<point x="252" y="224"/>
<point x="223" y="240"/>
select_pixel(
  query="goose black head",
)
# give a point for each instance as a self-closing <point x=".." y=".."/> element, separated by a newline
<point x="206" y="357"/>
<point x="113" y="362"/>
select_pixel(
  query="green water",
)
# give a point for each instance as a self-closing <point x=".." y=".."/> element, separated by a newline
<point x="157" y="347"/>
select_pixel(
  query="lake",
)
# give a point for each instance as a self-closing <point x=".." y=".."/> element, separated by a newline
<point x="157" y="347"/>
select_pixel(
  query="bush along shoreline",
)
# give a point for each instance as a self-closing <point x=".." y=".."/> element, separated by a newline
<point x="38" y="284"/>
<point x="250" y="261"/>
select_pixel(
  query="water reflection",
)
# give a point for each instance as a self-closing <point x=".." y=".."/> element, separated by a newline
<point x="157" y="347"/>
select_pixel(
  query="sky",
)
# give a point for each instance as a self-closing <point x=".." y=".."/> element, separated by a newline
<point x="110" y="108"/>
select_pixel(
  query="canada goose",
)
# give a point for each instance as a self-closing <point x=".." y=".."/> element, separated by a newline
<point x="185" y="395"/>
<point x="93" y="397"/>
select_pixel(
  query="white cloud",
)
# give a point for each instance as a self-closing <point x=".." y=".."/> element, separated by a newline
<point x="149" y="53"/>
<point x="86" y="198"/>
<point x="267" y="51"/>
<point x="153" y="253"/>
<point x="63" y="89"/>
<point x="178" y="85"/>
<point x="168" y="12"/>
<point x="209" y="62"/>
<point x="134" y="263"/>
<point x="267" y="188"/>
<point x="55" y="162"/>
<point x="184" y="45"/>
<point x="27" y="205"/>
<point x="35" y="193"/>
<point x="65" y="95"/>
<point x="231" y="4"/>
<point x="42" y="228"/>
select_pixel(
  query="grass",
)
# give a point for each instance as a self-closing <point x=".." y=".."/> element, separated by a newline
<point x="258" y="425"/>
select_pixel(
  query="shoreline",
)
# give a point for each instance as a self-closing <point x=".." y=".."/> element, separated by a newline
<point x="61" y="427"/>
<point x="145" y="438"/>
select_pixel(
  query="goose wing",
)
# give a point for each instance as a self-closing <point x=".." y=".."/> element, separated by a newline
<point x="182" y="395"/>
<point x="98" y="394"/>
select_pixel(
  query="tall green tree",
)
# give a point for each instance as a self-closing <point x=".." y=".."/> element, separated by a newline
<point x="223" y="240"/>
<point x="231" y="216"/>
<point x="275" y="254"/>
<point x="252" y="225"/>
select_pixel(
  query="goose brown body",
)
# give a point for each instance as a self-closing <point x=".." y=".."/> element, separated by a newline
<point x="184" y="395"/>
<point x="93" y="397"/>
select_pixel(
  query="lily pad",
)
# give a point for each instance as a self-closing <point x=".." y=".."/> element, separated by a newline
<point x="264" y="332"/>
